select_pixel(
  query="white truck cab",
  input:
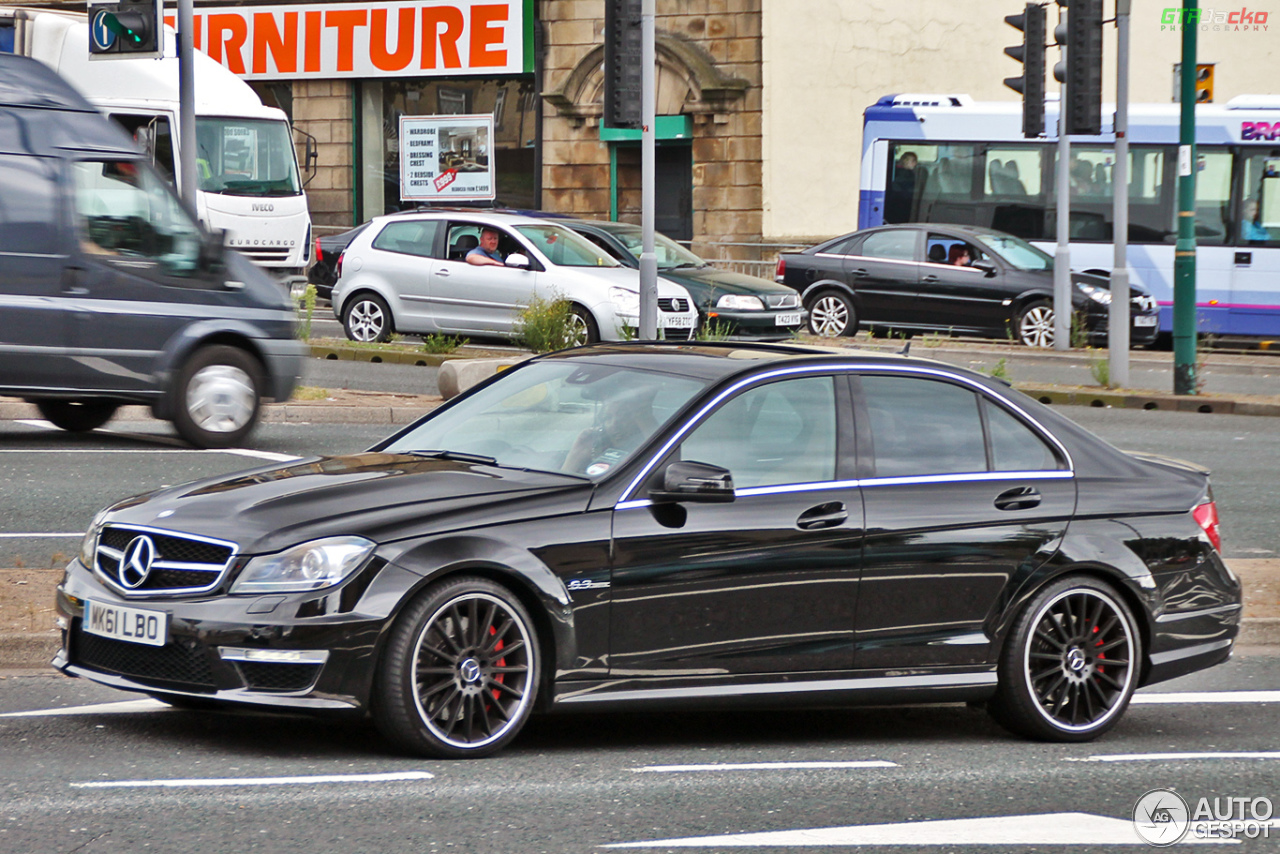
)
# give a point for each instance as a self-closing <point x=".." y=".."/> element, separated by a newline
<point x="246" y="165"/>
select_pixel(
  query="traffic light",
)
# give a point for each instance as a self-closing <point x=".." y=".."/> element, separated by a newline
<point x="622" y="63"/>
<point x="1031" y="54"/>
<point x="1084" y="67"/>
<point x="126" y="29"/>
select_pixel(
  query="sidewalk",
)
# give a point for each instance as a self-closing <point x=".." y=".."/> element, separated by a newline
<point x="28" y="638"/>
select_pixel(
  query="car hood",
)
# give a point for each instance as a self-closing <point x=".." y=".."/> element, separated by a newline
<point x="376" y="495"/>
<point x="618" y="277"/>
<point x="706" y="284"/>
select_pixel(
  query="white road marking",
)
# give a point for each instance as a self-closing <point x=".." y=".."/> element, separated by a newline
<point x="766" y="766"/>
<point x="239" y="452"/>
<point x="1174" y="757"/>
<point x="36" y="536"/>
<point x="256" y="781"/>
<point x="1070" y="828"/>
<point x="1208" y="697"/>
<point x="124" y="707"/>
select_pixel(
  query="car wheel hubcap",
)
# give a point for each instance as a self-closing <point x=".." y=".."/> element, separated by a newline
<point x="830" y="316"/>
<point x="220" y="398"/>
<point x="578" y="334"/>
<point x="1036" y="327"/>
<point x="1079" y="660"/>
<point x="472" y="670"/>
<point x="366" y="321"/>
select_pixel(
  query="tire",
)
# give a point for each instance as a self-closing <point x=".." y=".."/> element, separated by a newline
<point x="77" y="416"/>
<point x="1033" y="325"/>
<point x="217" y="397"/>
<point x="368" y="319"/>
<point x="582" y="328"/>
<point x="1070" y="665"/>
<point x="460" y="671"/>
<point x="832" y="315"/>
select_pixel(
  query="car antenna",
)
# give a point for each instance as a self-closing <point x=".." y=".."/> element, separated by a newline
<point x="906" y="348"/>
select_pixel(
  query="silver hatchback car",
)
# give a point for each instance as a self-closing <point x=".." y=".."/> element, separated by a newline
<point x="409" y="273"/>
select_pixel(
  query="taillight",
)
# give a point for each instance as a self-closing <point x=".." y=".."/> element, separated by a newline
<point x="317" y="249"/>
<point x="1207" y="516"/>
<point x="781" y="273"/>
<point x="337" y="268"/>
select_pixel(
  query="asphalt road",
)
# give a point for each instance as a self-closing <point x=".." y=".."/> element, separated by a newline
<point x="110" y="778"/>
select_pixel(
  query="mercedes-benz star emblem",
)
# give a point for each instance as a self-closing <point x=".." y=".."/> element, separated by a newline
<point x="470" y="670"/>
<point x="1075" y="660"/>
<point x="135" y="563"/>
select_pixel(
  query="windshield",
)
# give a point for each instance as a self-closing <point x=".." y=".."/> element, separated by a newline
<point x="670" y="254"/>
<point x="246" y="157"/>
<point x="1017" y="251"/>
<point x="570" y="417"/>
<point x="565" y="248"/>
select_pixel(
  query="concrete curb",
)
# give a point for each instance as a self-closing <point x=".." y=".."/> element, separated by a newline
<point x="1139" y="399"/>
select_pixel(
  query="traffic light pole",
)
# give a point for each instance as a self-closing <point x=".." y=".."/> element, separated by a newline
<point x="187" y="104"/>
<point x="1118" y="319"/>
<point x="1184" y="255"/>
<point x="1062" y="253"/>
<point x="648" y="258"/>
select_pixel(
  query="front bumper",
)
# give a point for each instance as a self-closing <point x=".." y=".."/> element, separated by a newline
<point x="1099" y="325"/>
<point x="756" y="325"/>
<point x="298" y="650"/>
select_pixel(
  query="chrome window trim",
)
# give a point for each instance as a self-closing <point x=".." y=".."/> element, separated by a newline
<point x="925" y="680"/>
<point x="219" y="571"/>
<point x="625" y="503"/>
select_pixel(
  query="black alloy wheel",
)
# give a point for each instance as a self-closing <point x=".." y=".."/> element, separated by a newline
<point x="1071" y="663"/>
<point x="368" y="319"/>
<point x="832" y="315"/>
<point x="460" y="672"/>
<point x="77" y="416"/>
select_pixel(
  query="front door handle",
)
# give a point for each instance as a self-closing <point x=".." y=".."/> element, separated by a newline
<point x="859" y="273"/>
<point x="444" y="274"/>
<point x="930" y="279"/>
<point x="1018" y="498"/>
<point x="827" y="515"/>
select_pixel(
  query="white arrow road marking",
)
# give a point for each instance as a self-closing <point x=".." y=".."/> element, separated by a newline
<point x="240" y="452"/>
<point x="1209" y="697"/>
<point x="257" y="781"/>
<point x="1174" y="757"/>
<point x="34" y="536"/>
<point x="766" y="766"/>
<point x="126" y="706"/>
<point x="1066" y="828"/>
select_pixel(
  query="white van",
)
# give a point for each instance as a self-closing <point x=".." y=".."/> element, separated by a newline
<point x="247" y="168"/>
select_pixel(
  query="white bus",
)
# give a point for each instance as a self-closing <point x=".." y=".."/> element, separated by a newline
<point x="247" y="169"/>
<point x="973" y="167"/>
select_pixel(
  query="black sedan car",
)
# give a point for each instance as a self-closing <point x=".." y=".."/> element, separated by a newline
<point x="952" y="280"/>
<point x="324" y="272"/>
<point x="730" y="305"/>
<point x="634" y="526"/>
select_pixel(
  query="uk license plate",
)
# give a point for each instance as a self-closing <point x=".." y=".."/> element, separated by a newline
<point x="134" y="625"/>
<point x="789" y="319"/>
<point x="678" y="321"/>
<point x="1150" y="320"/>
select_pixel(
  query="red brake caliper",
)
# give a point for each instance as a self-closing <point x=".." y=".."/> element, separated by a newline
<point x="502" y="662"/>
<point x="1101" y="655"/>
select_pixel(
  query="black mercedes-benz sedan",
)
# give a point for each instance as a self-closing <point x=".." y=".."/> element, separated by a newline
<point x="950" y="279"/>
<point x="662" y="525"/>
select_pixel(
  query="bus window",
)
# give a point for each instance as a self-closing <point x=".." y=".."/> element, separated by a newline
<point x="1260" y="210"/>
<point x="937" y="179"/>
<point x="1213" y="196"/>
<point x="1092" y="172"/>
<point x="1012" y="194"/>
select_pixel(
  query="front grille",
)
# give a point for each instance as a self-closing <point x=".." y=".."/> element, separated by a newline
<point x="172" y="563"/>
<point x="782" y="300"/>
<point x="171" y="664"/>
<point x="277" y="676"/>
<point x="676" y="304"/>
<point x="265" y="256"/>
<point x="672" y="333"/>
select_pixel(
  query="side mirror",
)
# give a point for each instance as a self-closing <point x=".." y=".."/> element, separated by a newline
<point x="515" y="259"/>
<point x="687" y="480"/>
<point x="986" y="267"/>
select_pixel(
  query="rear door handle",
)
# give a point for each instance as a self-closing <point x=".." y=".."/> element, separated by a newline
<point x="859" y="274"/>
<point x="930" y="279"/>
<point x="1018" y="498"/>
<point x="827" y="515"/>
<point x="444" y="274"/>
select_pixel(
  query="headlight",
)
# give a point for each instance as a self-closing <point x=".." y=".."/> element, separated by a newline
<point x="625" y="301"/>
<point x="1096" y="293"/>
<point x="740" y="302"/>
<point x="89" y="545"/>
<point x="307" y="566"/>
